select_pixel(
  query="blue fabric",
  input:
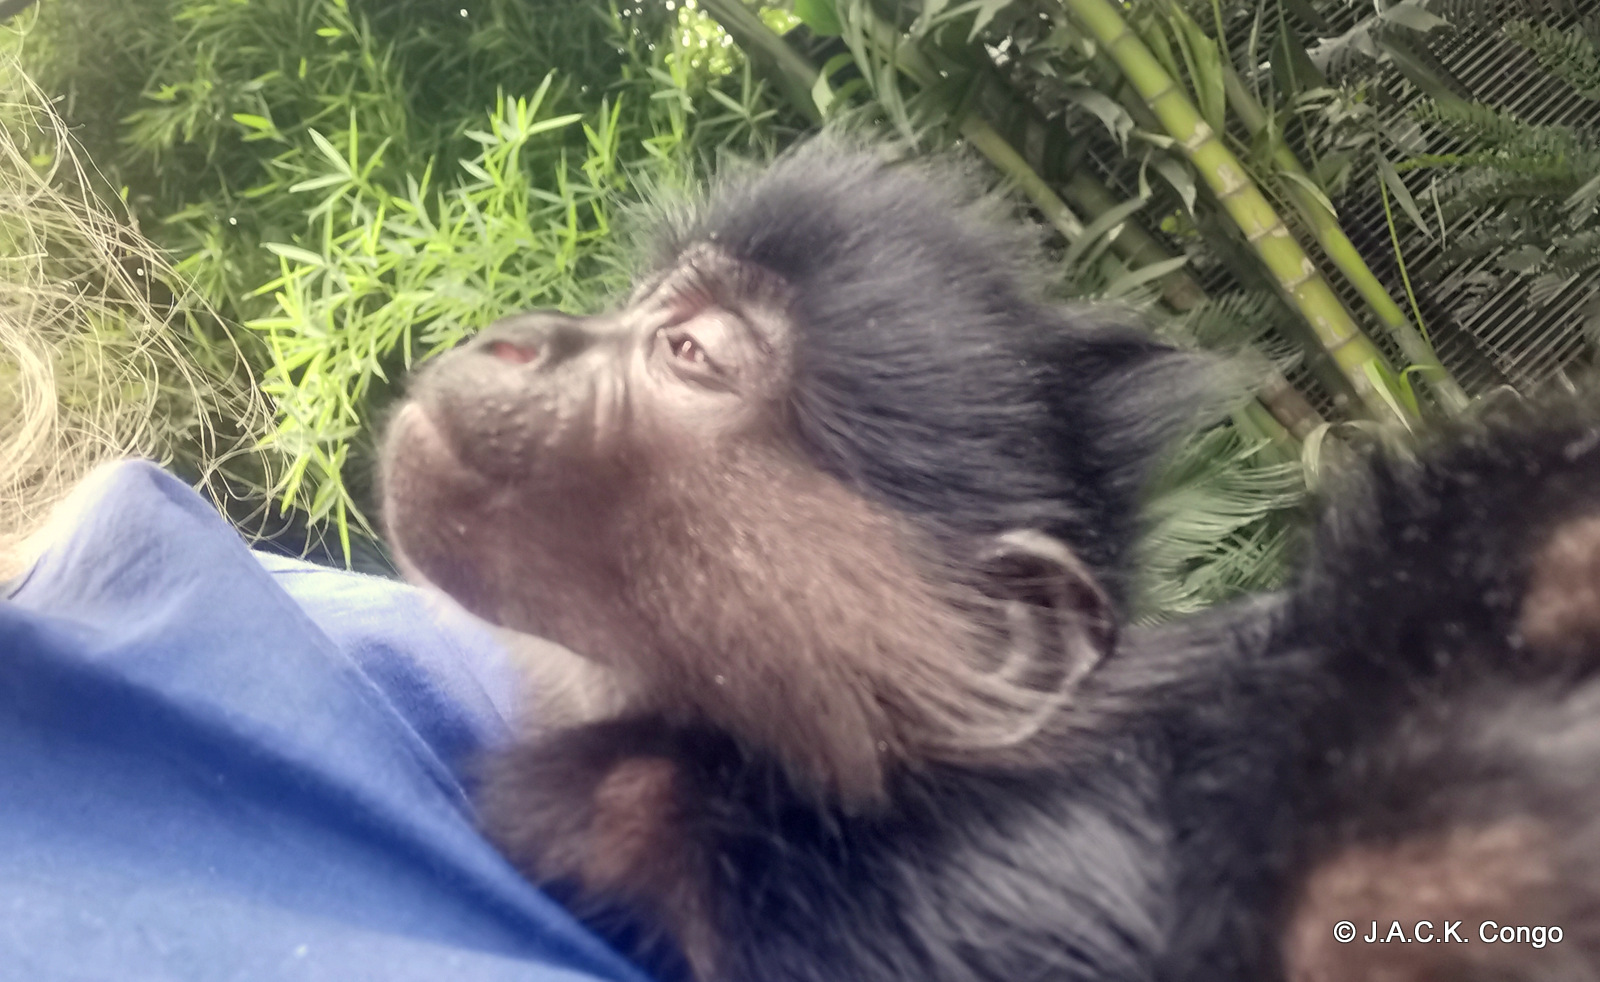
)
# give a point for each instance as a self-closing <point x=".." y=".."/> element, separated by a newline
<point x="218" y="766"/>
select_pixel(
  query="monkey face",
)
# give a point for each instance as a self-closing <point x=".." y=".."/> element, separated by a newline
<point x="631" y="486"/>
<point x="525" y="457"/>
<point x="820" y="483"/>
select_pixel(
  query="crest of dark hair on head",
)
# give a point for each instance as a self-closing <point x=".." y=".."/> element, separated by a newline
<point x="1050" y="417"/>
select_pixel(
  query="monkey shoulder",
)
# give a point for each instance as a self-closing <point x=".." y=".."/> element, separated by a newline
<point x="1229" y="692"/>
<point x="684" y="829"/>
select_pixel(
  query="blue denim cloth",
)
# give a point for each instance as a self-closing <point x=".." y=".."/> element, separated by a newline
<point x="216" y="765"/>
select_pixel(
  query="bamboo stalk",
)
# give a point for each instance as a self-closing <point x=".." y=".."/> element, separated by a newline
<point x="1005" y="158"/>
<point x="788" y="69"/>
<point x="977" y="131"/>
<point x="1288" y="408"/>
<point x="1330" y="235"/>
<point x="1271" y="240"/>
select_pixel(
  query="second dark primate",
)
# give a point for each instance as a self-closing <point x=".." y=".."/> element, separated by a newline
<point x="1455" y="772"/>
<point x="1393" y="771"/>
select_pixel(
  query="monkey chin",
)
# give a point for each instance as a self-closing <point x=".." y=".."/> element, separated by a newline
<point x="454" y="529"/>
<point x="424" y="482"/>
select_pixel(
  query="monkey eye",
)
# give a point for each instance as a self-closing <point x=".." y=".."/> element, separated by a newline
<point x="689" y="355"/>
<point x="687" y="349"/>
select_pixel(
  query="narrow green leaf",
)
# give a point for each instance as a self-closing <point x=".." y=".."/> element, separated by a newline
<point x="1311" y="454"/>
<point x="727" y="100"/>
<point x="314" y="183"/>
<point x="553" y="123"/>
<point x="1408" y="391"/>
<point x="1585" y="197"/>
<point x="931" y="9"/>
<point x="295" y="254"/>
<point x="822" y="92"/>
<point x="1106" y="225"/>
<point x="986" y="11"/>
<point x="1403" y="195"/>
<point x="1309" y="186"/>
<point x="1411" y="14"/>
<point x="1117" y="119"/>
<point x="1133" y="279"/>
<point x="820" y="16"/>
<point x="1204" y="62"/>
<point x="1177" y="174"/>
<point x="1155" y="37"/>
<point x="328" y="151"/>
<point x="1385" y="387"/>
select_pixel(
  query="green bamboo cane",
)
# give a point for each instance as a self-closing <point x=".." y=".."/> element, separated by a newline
<point x="1354" y="353"/>
<point x="1291" y="414"/>
<point x="1287" y="407"/>
<point x="797" y="77"/>
<point x="1330" y="235"/>
<point x="1278" y="394"/>
<point x="1005" y="158"/>
<point x="788" y="69"/>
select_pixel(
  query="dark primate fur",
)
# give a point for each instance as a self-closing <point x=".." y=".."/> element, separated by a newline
<point x="857" y="628"/>
<point x="929" y="373"/>
<point x="1458" y="764"/>
<point x="1411" y="734"/>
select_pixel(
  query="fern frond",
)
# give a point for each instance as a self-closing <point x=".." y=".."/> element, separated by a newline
<point x="1493" y="181"/>
<point x="1480" y="125"/>
<point x="1570" y="55"/>
<point x="1219" y="523"/>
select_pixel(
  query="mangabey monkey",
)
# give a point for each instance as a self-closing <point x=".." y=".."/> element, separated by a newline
<point x="1458" y="776"/>
<point x="1410" y="741"/>
<point x="842" y="505"/>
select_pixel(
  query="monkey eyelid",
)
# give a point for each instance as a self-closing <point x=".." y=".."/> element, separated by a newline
<point x="696" y="293"/>
<point x="739" y="287"/>
<point x="709" y="374"/>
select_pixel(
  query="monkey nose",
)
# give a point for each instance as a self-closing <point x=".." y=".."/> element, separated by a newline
<point x="536" y="338"/>
<point x="520" y="354"/>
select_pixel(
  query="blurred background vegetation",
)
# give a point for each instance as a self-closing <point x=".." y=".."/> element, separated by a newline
<point x="1384" y="210"/>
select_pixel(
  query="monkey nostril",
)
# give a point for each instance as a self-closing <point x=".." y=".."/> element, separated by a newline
<point x="520" y="354"/>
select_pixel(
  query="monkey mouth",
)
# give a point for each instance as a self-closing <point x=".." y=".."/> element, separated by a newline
<point x="425" y="482"/>
<point x="422" y="466"/>
<point x="420" y="443"/>
<point x="414" y="427"/>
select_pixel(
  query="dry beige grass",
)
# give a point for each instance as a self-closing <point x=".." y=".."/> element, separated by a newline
<point x="99" y="350"/>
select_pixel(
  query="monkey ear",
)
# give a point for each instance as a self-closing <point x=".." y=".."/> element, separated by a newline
<point x="1059" y="620"/>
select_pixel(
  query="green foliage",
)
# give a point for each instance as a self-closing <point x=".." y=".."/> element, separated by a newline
<point x="1498" y="135"/>
<point x="364" y="181"/>
<point x="400" y="272"/>
<point x="1571" y="55"/>
<point x="1533" y="190"/>
<point x="1219" y="524"/>
<point x="230" y="91"/>
<point x="1219" y="517"/>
